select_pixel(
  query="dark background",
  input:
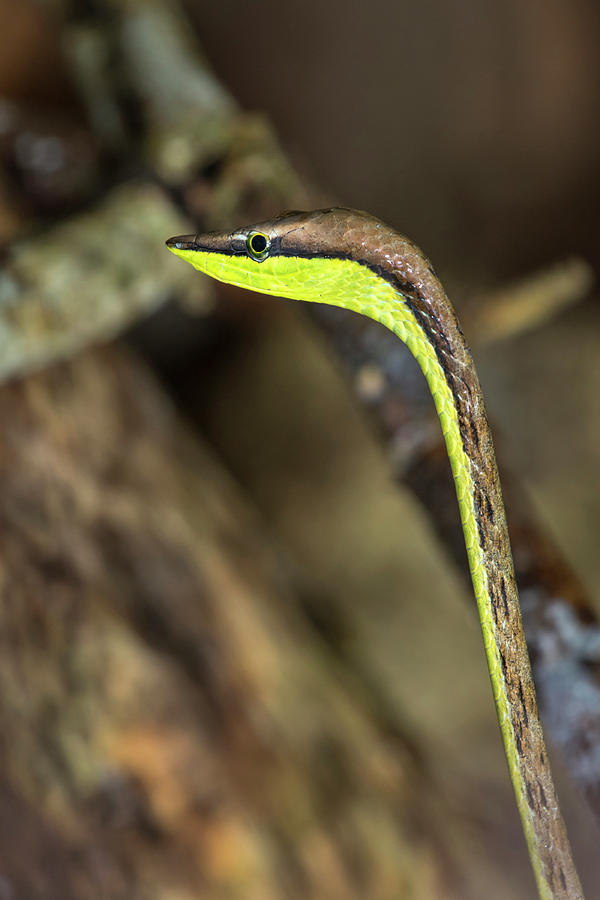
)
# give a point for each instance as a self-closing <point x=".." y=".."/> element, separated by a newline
<point x="239" y="651"/>
<point x="473" y="125"/>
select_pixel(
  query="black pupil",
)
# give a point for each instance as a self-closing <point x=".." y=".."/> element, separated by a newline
<point x="258" y="243"/>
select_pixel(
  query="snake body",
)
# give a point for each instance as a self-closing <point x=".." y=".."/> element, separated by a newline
<point x="350" y="259"/>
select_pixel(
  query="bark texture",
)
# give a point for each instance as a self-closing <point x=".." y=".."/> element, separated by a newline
<point x="172" y="724"/>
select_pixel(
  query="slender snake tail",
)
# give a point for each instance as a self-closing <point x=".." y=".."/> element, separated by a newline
<point x="347" y="258"/>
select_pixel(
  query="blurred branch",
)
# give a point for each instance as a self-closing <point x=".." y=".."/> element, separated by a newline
<point x="184" y="114"/>
<point x="87" y="279"/>
<point x="529" y="304"/>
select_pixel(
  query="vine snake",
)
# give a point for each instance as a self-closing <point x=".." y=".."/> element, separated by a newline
<point x="348" y="258"/>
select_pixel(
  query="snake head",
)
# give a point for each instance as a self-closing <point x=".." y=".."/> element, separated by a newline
<point x="310" y="256"/>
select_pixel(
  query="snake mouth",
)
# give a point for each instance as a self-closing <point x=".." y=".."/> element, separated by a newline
<point x="182" y="242"/>
<point x="211" y="242"/>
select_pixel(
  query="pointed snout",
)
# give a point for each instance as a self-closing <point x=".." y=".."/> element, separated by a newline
<point x="182" y="242"/>
<point x="211" y="242"/>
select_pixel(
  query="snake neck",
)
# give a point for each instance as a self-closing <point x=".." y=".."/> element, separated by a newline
<point x="417" y="309"/>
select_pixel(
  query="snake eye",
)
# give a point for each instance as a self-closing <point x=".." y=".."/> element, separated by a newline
<point x="258" y="245"/>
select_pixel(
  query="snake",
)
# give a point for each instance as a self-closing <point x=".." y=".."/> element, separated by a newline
<point x="348" y="258"/>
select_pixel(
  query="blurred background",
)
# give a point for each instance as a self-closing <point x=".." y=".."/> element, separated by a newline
<point x="240" y="656"/>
